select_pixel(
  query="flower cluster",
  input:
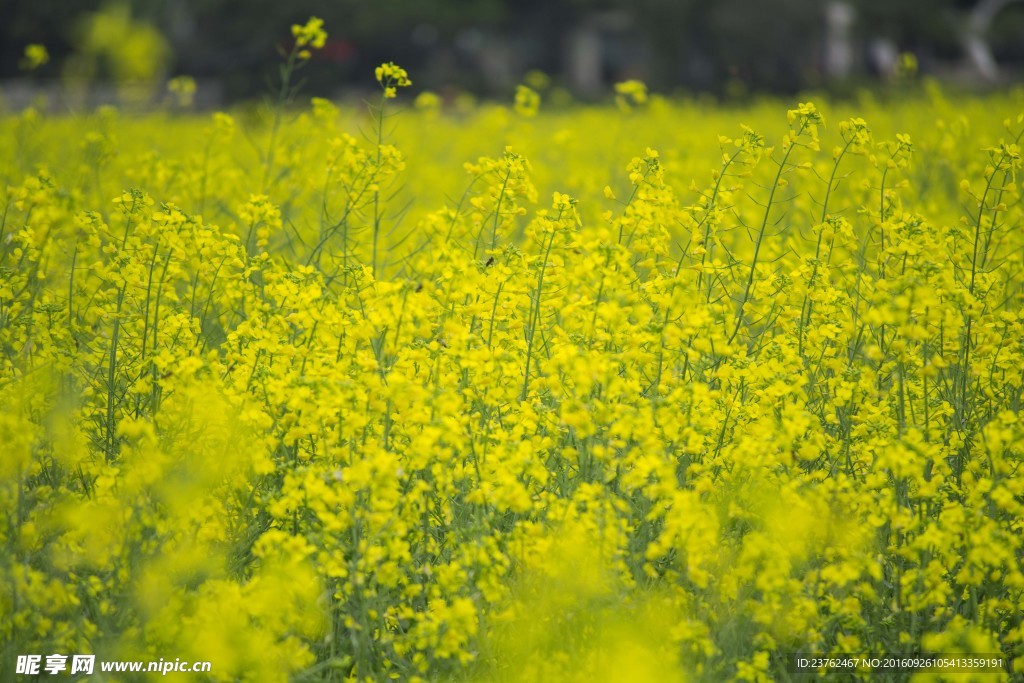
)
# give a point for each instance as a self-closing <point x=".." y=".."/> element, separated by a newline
<point x="310" y="35"/>
<point x="527" y="102"/>
<point x="35" y="56"/>
<point x="629" y="94"/>
<point x="391" y="77"/>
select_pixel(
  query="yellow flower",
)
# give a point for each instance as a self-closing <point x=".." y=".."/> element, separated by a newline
<point x="427" y="101"/>
<point x="630" y="93"/>
<point x="527" y="102"/>
<point x="311" y="34"/>
<point x="183" y="88"/>
<point x="391" y="76"/>
<point x="34" y="57"/>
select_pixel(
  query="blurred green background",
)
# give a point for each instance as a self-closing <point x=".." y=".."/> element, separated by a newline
<point x="725" y="47"/>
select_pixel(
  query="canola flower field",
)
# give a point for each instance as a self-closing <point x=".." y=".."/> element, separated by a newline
<point x="649" y="392"/>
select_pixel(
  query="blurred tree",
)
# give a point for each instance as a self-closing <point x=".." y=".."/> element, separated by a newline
<point x="484" y="44"/>
<point x="976" y="36"/>
<point x="39" y="21"/>
<point x="950" y="29"/>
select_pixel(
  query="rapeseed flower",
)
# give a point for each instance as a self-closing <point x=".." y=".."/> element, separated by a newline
<point x="727" y="396"/>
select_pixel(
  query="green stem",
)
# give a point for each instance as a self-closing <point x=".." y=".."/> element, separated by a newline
<point x="535" y="313"/>
<point x="111" y="440"/>
<point x="760" y="239"/>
